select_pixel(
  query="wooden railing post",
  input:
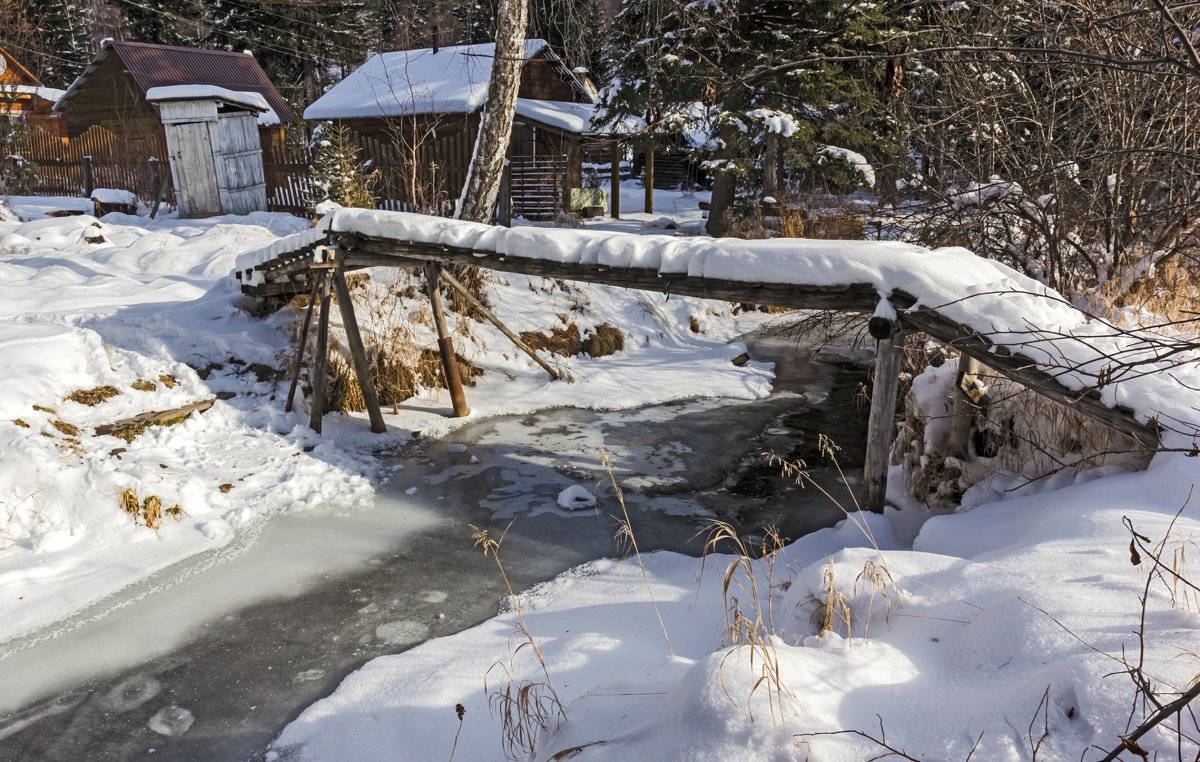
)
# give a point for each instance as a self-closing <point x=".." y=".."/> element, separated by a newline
<point x="614" y="182"/>
<point x="649" y="199"/>
<point x="89" y="181"/>
<point x="881" y="424"/>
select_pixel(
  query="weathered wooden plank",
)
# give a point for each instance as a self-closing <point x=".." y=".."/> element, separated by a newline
<point x="317" y="404"/>
<point x="1026" y="372"/>
<point x="458" y="399"/>
<point x="365" y="251"/>
<point x="362" y="252"/>
<point x="153" y="417"/>
<point x="500" y="326"/>
<point x="358" y="352"/>
<point x="882" y="422"/>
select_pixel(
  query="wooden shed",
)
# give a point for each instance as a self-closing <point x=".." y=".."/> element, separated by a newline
<point x="214" y="149"/>
<point x="417" y="113"/>
<point x="111" y="91"/>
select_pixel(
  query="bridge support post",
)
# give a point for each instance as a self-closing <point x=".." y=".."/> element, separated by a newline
<point x="299" y="362"/>
<point x="317" y="405"/>
<point x="358" y="352"/>
<point x="958" y="441"/>
<point x="458" y="399"/>
<point x="881" y="424"/>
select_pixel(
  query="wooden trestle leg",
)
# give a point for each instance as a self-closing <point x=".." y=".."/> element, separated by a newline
<point x="445" y="344"/>
<point x="299" y="361"/>
<point x="358" y="352"/>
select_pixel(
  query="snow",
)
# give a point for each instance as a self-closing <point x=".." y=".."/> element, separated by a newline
<point x="570" y="117"/>
<point x="250" y="100"/>
<point x="452" y="80"/>
<point x="114" y="197"/>
<point x="856" y="160"/>
<point x="50" y="94"/>
<point x="575" y="497"/>
<point x="87" y="302"/>
<point x="971" y="625"/>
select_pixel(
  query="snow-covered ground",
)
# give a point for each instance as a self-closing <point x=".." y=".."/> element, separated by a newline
<point x="86" y="303"/>
<point x="1010" y="629"/>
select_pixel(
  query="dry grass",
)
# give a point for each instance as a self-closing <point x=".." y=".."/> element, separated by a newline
<point x="604" y="340"/>
<point x="147" y="512"/>
<point x="93" y="397"/>
<point x="564" y="341"/>
<point x="526" y="708"/>
<point x="628" y="540"/>
<point x="68" y="429"/>
<point x="20" y="423"/>
<point x="144" y="385"/>
<point x="168" y="381"/>
<point x="44" y="409"/>
<point x="751" y="625"/>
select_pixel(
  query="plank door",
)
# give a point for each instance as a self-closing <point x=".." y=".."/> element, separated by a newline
<point x="192" y="169"/>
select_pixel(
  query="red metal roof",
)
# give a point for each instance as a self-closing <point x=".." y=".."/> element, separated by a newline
<point x="165" y="65"/>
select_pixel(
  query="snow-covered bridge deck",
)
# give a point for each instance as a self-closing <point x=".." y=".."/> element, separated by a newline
<point x="1009" y="322"/>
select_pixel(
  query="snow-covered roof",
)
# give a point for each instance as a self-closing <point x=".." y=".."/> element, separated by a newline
<point x="207" y="92"/>
<point x="45" y="93"/>
<point x="450" y="80"/>
<point x="248" y="99"/>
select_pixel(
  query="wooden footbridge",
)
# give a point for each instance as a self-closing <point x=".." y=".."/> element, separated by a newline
<point x="800" y="274"/>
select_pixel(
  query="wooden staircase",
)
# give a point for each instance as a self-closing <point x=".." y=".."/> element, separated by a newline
<point x="537" y="185"/>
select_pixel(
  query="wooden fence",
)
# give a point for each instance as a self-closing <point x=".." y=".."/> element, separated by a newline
<point x="97" y="159"/>
<point x="427" y="181"/>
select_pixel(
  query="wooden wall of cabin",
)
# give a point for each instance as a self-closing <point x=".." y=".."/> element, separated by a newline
<point x="110" y="98"/>
<point x="544" y="79"/>
<point x="422" y="160"/>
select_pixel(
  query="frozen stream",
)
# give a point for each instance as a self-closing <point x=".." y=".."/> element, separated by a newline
<point x="212" y="658"/>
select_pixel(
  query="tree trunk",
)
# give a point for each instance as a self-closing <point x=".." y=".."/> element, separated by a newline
<point x="478" y="200"/>
<point x="720" y="214"/>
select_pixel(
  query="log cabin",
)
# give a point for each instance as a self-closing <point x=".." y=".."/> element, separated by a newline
<point x="23" y="98"/>
<point x="417" y="113"/>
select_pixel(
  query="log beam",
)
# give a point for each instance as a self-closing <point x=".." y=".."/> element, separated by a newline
<point x="299" y="361"/>
<point x="358" y="353"/>
<point x="317" y="405"/>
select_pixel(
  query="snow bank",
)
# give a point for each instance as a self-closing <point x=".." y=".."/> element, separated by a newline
<point x="1011" y="613"/>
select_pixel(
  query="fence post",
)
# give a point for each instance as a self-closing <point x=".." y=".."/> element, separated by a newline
<point x="156" y="175"/>
<point x="504" y="213"/>
<point x="89" y="182"/>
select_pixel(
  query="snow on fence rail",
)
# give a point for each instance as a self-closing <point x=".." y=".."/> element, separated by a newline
<point x="1135" y="381"/>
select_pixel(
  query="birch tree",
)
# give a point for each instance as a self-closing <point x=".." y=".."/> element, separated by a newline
<point x="478" y="200"/>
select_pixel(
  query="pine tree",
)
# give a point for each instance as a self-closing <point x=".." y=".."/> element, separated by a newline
<point x="303" y="48"/>
<point x="570" y="26"/>
<point x="337" y="173"/>
<point x="728" y="81"/>
<point x="165" y="22"/>
<point x="65" y="40"/>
